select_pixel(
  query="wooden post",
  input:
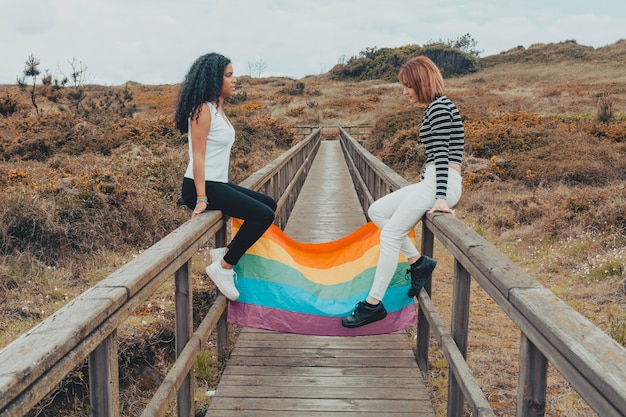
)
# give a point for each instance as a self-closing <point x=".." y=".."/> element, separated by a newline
<point x="423" y="327"/>
<point x="459" y="332"/>
<point x="533" y="376"/>
<point x="184" y="329"/>
<point x="104" y="386"/>
<point x="222" y="336"/>
<point x="222" y="325"/>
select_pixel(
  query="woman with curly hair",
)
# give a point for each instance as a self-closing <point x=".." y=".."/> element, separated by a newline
<point x="210" y="135"/>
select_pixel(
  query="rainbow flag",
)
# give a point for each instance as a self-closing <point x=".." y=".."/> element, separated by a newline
<point x="307" y="288"/>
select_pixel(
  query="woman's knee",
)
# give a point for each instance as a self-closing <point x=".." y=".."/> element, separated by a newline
<point x="272" y="204"/>
<point x="268" y="216"/>
<point x="390" y="235"/>
<point x="374" y="213"/>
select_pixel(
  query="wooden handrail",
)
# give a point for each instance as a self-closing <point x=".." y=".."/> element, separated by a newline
<point x="551" y="331"/>
<point x="35" y="363"/>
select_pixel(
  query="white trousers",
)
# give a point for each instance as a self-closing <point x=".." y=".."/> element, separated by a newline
<point x="396" y="214"/>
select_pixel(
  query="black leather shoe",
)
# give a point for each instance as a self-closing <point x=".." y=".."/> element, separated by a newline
<point x="364" y="314"/>
<point x="420" y="272"/>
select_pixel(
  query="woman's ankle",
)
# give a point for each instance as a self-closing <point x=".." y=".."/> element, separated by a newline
<point x="225" y="265"/>
<point x="372" y="301"/>
<point x="413" y="259"/>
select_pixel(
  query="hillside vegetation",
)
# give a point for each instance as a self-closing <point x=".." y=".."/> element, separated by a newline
<point x="384" y="63"/>
<point x="85" y="188"/>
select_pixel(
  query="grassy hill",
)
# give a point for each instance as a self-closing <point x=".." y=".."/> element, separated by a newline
<point x="544" y="179"/>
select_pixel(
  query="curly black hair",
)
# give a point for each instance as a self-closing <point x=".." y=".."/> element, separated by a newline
<point x="202" y="83"/>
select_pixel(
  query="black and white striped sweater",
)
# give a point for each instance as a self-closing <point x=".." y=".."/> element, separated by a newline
<point x="443" y="137"/>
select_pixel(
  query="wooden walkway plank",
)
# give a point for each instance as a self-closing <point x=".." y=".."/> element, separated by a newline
<point x="273" y="374"/>
<point x="326" y="376"/>
<point x="328" y="207"/>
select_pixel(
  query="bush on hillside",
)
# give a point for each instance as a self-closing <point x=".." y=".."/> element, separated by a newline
<point x="395" y="140"/>
<point x="384" y="63"/>
<point x="451" y="62"/>
<point x="256" y="138"/>
<point x="374" y="63"/>
<point x="62" y="211"/>
<point x="552" y="52"/>
<point x="39" y="138"/>
<point x="386" y="127"/>
<point x="555" y="144"/>
<point x="509" y="132"/>
<point x="8" y="104"/>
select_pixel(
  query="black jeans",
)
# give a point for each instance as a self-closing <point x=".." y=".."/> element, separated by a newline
<point x="254" y="208"/>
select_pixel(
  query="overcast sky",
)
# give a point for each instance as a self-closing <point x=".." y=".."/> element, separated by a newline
<point x="155" y="41"/>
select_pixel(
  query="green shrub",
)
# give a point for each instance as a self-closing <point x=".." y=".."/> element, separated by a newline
<point x="451" y="62"/>
<point x="388" y="126"/>
<point x="8" y="104"/>
<point x="295" y="88"/>
<point x="605" y="107"/>
<point x="384" y="63"/>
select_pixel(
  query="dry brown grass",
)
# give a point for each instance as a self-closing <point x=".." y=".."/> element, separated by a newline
<point x="544" y="181"/>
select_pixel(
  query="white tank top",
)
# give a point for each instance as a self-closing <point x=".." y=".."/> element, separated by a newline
<point x="218" y="144"/>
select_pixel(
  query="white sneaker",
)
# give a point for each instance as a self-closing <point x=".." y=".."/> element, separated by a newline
<point x="224" y="279"/>
<point x="217" y="254"/>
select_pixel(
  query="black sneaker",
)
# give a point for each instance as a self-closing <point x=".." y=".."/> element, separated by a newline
<point x="364" y="314"/>
<point x="420" y="272"/>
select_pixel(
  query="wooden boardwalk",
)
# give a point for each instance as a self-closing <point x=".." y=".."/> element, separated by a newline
<point x="327" y="207"/>
<point x="288" y="375"/>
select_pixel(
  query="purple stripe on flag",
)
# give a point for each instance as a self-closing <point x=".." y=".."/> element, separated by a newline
<point x="249" y="315"/>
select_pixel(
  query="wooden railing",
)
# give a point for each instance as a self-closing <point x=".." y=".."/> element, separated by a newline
<point x="551" y="331"/>
<point x="358" y="132"/>
<point x="35" y="363"/>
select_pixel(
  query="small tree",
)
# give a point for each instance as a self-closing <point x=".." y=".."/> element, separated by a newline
<point x="31" y="69"/>
<point x="466" y="44"/>
<point x="52" y="86"/>
<point x="260" y="66"/>
<point x="463" y="43"/>
<point x="111" y="101"/>
<point x="77" y="80"/>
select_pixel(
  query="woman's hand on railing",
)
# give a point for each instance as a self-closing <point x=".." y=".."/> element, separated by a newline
<point x="441" y="204"/>
<point x="200" y="207"/>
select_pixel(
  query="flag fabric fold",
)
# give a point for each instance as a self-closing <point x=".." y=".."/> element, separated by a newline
<point x="307" y="288"/>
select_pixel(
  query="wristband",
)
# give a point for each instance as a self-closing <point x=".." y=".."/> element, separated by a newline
<point x="202" y="199"/>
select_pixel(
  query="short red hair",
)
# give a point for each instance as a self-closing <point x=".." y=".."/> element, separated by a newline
<point x="422" y="75"/>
